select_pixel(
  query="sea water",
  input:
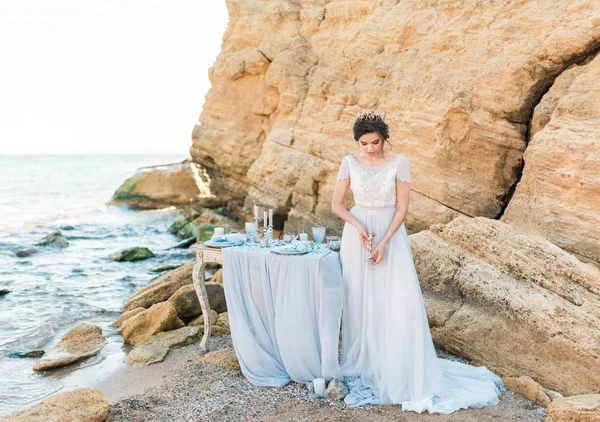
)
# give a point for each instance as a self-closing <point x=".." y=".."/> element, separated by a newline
<point x="54" y="289"/>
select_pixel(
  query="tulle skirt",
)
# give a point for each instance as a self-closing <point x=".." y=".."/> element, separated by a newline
<point x="388" y="356"/>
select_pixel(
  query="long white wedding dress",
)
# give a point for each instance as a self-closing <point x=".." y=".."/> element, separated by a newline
<point x="388" y="356"/>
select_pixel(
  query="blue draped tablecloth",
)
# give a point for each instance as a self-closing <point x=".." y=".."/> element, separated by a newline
<point x="284" y="313"/>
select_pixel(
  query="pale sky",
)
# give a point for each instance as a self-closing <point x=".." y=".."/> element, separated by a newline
<point x="105" y="76"/>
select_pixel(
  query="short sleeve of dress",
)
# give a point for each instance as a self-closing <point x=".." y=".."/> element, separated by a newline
<point x="403" y="170"/>
<point x="344" y="171"/>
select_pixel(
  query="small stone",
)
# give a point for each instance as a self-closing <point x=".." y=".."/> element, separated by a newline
<point x="336" y="390"/>
<point x="4" y="292"/>
<point x="225" y="358"/>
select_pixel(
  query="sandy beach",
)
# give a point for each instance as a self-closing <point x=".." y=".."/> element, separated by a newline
<point x="185" y="388"/>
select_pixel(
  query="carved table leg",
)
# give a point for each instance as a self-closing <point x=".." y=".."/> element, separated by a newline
<point x="200" y="287"/>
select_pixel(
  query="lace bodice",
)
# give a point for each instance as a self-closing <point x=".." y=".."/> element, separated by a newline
<point x="374" y="186"/>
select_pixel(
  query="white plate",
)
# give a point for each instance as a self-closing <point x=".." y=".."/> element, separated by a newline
<point x="222" y="244"/>
<point x="280" y="251"/>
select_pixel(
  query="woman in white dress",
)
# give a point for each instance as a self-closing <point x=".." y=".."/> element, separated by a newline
<point x="388" y="355"/>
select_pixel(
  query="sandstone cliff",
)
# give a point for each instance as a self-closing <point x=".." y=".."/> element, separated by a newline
<point x="460" y="82"/>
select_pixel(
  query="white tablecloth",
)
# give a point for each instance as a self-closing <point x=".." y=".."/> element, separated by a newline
<point x="284" y="313"/>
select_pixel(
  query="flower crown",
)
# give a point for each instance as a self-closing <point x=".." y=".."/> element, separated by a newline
<point x="369" y="115"/>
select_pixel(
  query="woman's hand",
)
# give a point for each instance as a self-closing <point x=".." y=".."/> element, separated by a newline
<point x="378" y="253"/>
<point x="362" y="236"/>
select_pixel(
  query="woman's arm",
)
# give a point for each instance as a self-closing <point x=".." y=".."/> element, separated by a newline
<point x="402" y="199"/>
<point x="338" y="208"/>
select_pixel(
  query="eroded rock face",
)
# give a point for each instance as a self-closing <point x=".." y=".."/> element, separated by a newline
<point x="558" y="196"/>
<point x="83" y="341"/>
<point x="162" y="186"/>
<point x="459" y="83"/>
<point x="82" y="404"/>
<point x="511" y="301"/>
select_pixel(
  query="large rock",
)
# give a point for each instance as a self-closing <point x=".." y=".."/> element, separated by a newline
<point x="159" y="317"/>
<point x="511" y="301"/>
<point x="527" y="387"/>
<point x="83" y="341"/>
<point x="162" y="186"/>
<point x="82" y="404"/>
<point x="126" y="315"/>
<point x="156" y="348"/>
<point x="219" y="327"/>
<point x="581" y="408"/>
<point x="459" y="92"/>
<point x="162" y="288"/>
<point x="558" y="196"/>
<point x="187" y="304"/>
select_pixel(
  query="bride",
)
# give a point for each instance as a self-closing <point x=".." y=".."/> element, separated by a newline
<point x="388" y="355"/>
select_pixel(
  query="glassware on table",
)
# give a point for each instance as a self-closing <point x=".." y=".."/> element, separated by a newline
<point x="334" y="243"/>
<point x="318" y="233"/>
<point x="251" y="230"/>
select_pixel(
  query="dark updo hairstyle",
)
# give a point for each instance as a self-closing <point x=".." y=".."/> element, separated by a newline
<point x="370" y="121"/>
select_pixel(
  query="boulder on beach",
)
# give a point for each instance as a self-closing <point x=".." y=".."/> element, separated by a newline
<point x="218" y="327"/>
<point x="83" y="341"/>
<point x="136" y="253"/>
<point x="528" y="387"/>
<point x="162" y="186"/>
<point x="202" y="227"/>
<point x="159" y="317"/>
<point x="126" y="315"/>
<point x="187" y="304"/>
<point x="161" y="288"/>
<point x="82" y="404"/>
<point x="4" y="292"/>
<point x="580" y="408"/>
<point x="511" y="301"/>
<point x="156" y="348"/>
<point x="55" y="238"/>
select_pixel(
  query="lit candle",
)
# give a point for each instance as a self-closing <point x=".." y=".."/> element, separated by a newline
<point x="319" y="386"/>
<point x="303" y="237"/>
<point x="270" y="216"/>
<point x="265" y="220"/>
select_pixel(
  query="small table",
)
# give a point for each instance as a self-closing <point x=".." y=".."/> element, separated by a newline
<point x="204" y="256"/>
<point x="284" y="313"/>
